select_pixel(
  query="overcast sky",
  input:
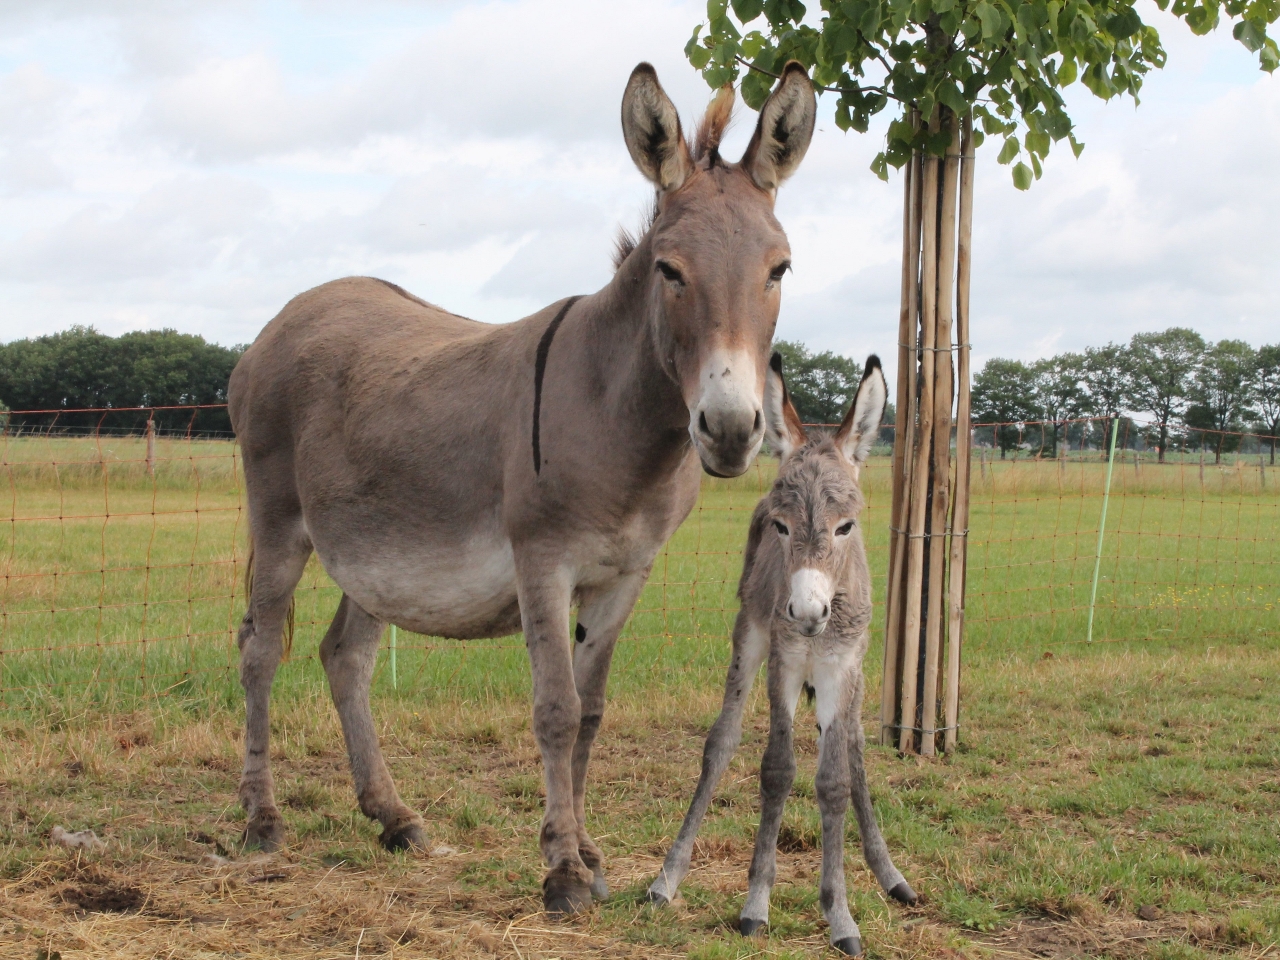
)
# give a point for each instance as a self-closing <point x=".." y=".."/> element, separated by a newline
<point x="194" y="165"/>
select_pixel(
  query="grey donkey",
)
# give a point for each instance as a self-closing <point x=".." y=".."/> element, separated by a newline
<point x="806" y="605"/>
<point x="464" y="479"/>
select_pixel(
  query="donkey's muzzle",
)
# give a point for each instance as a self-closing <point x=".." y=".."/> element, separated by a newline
<point x="809" y="606"/>
<point x="727" y="440"/>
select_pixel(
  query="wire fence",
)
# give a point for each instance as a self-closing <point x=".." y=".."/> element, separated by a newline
<point x="124" y="550"/>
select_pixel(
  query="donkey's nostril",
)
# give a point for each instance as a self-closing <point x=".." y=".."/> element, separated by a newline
<point x="702" y="423"/>
<point x="826" y="611"/>
<point x="758" y="425"/>
<point x="791" y="611"/>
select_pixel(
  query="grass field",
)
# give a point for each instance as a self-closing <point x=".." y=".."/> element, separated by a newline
<point x="1093" y="782"/>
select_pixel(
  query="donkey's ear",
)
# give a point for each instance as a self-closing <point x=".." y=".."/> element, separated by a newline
<point x="651" y="128"/>
<point x="784" y="130"/>
<point x="857" y="434"/>
<point x="782" y="426"/>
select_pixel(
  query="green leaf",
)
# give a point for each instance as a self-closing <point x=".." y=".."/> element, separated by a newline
<point x="978" y="137"/>
<point x="880" y="166"/>
<point x="990" y="18"/>
<point x="1250" y="34"/>
<point x="697" y="53"/>
<point x="1022" y="176"/>
<point x="949" y="95"/>
<point x="1010" y="150"/>
<point x="1076" y="146"/>
<point x="1124" y="24"/>
<point x="1037" y="143"/>
<point x="747" y="10"/>
<point x="1067" y="72"/>
<point x="1035" y="166"/>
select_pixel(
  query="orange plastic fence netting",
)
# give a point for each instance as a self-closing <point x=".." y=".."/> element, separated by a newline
<point x="125" y="550"/>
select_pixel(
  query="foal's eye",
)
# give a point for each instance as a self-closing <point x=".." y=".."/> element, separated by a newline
<point x="669" y="272"/>
<point x="777" y="273"/>
<point x="781" y="528"/>
<point x="844" y="529"/>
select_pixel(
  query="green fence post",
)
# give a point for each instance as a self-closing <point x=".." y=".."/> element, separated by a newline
<point x="394" y="684"/>
<point x="1102" y="526"/>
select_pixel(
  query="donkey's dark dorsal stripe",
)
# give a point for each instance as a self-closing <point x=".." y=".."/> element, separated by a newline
<point x="391" y="438"/>
<point x="539" y="370"/>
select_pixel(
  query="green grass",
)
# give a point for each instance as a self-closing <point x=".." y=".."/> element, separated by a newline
<point x="1091" y="781"/>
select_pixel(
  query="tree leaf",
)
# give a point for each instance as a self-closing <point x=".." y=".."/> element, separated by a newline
<point x="747" y="10"/>
<point x="1010" y="150"/>
<point x="1250" y="34"/>
<point x="1022" y="176"/>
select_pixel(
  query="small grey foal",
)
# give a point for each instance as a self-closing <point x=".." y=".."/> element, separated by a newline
<point x="806" y="603"/>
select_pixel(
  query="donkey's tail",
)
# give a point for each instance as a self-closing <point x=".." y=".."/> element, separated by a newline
<point x="248" y="601"/>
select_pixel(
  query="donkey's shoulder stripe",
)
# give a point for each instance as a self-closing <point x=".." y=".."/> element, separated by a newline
<point x="540" y="368"/>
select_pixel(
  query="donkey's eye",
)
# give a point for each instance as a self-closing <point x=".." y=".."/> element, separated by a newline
<point x="777" y="273"/>
<point x="781" y="528"/>
<point x="844" y="529"/>
<point x="669" y="272"/>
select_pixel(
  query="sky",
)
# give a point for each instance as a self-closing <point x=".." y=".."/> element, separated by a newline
<point x="195" y="165"/>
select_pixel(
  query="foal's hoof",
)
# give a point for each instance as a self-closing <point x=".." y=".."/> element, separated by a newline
<point x="903" y="893"/>
<point x="657" y="898"/>
<point x="599" y="886"/>
<point x="264" y="832"/>
<point x="409" y="837"/>
<point x="849" y="946"/>
<point x="565" y="892"/>
<point x="749" y="928"/>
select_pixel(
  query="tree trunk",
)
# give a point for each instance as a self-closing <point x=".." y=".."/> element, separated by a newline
<point x="929" y="516"/>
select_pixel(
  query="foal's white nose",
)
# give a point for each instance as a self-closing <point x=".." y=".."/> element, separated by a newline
<point x="810" y="603"/>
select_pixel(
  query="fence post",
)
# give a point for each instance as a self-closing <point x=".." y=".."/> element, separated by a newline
<point x="394" y="684"/>
<point x="151" y="447"/>
<point x="1102" y="526"/>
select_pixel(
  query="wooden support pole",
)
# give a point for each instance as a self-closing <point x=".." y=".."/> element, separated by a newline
<point x="903" y="441"/>
<point x="151" y="448"/>
<point x="940" y="481"/>
<point x="964" y="435"/>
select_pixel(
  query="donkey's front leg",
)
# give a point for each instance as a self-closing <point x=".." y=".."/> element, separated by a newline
<point x="600" y="619"/>
<point x="874" y="849"/>
<point x="557" y="718"/>
<point x="750" y="644"/>
<point x="831" y="786"/>
<point x="777" y="773"/>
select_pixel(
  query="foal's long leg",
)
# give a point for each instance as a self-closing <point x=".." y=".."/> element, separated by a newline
<point x="557" y="715"/>
<point x="349" y="652"/>
<point x="750" y="644"/>
<point x="874" y="849"/>
<point x="280" y="556"/>
<point x="777" y="772"/>
<point x="600" y="619"/>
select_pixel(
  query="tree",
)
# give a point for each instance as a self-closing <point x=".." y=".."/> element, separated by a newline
<point x="1004" y="394"/>
<point x="1222" y="392"/>
<point x="1107" y="383"/>
<point x="1163" y="365"/>
<point x="1266" y="391"/>
<point x="1059" y="393"/>
<point x="822" y="385"/>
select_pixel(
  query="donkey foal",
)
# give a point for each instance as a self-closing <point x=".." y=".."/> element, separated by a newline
<point x="806" y="603"/>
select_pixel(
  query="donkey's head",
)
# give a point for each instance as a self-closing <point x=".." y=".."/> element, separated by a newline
<point x="716" y="255"/>
<point x="815" y="502"/>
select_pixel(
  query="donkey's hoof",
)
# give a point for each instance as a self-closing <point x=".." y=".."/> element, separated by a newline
<point x="749" y="928"/>
<point x="264" y="832"/>
<point x="903" y="893"/>
<point x="599" y="886"/>
<point x="657" y="897"/>
<point x="409" y="837"/>
<point x="849" y="946"/>
<point x="565" y="892"/>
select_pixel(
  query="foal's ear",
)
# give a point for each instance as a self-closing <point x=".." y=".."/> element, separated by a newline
<point x="857" y="434"/>
<point x="783" y="131"/>
<point x="782" y="426"/>
<point x="651" y="128"/>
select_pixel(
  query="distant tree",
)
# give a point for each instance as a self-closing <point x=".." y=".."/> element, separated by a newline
<point x="1107" y="384"/>
<point x="1266" y="391"/>
<point x="1163" y="365"/>
<point x="1059" y="394"/>
<point x="1222" y="392"/>
<point x="1004" y="393"/>
<point x="82" y="369"/>
<point x="822" y="385"/>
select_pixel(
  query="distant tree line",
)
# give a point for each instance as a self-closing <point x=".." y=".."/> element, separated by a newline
<point x="1197" y="395"/>
<point x="81" y="369"/>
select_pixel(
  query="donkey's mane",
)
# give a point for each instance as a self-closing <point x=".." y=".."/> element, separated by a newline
<point x="706" y="147"/>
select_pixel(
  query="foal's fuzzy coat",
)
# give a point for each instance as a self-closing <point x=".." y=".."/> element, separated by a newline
<point x="806" y="603"/>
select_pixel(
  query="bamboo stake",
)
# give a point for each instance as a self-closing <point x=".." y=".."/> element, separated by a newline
<point x="941" y="479"/>
<point x="904" y="435"/>
<point x="964" y="439"/>
<point x="920" y="468"/>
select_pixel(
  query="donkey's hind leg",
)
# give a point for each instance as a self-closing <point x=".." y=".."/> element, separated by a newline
<point x="777" y="773"/>
<point x="874" y="849"/>
<point x="278" y="563"/>
<point x="750" y="644"/>
<point x="349" y="652"/>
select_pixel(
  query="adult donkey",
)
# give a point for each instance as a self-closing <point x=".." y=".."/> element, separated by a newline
<point x="467" y="480"/>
